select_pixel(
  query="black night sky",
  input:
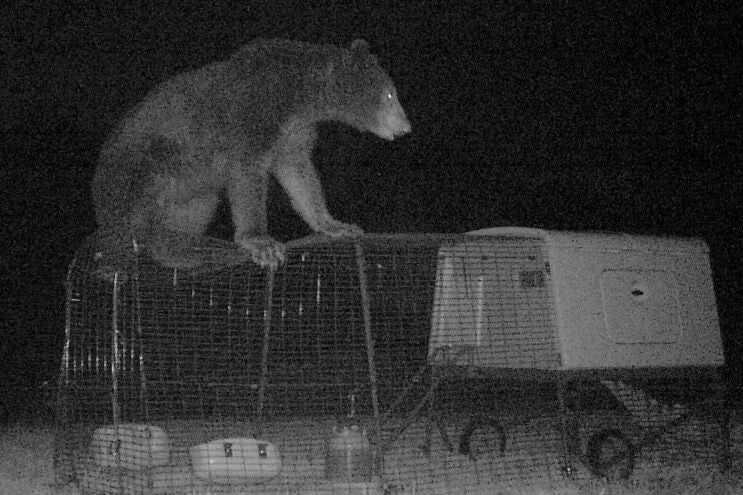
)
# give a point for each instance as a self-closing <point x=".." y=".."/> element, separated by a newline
<point x="622" y="116"/>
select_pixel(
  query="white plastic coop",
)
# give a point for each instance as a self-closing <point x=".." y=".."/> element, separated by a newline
<point x="531" y="298"/>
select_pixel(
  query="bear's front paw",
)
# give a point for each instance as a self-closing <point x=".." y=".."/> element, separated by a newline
<point x="334" y="228"/>
<point x="264" y="250"/>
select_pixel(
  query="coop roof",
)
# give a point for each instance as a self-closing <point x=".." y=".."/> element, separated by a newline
<point x="601" y="240"/>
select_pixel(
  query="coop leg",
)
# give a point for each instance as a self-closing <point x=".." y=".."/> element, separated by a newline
<point x="412" y="416"/>
<point x="568" y="429"/>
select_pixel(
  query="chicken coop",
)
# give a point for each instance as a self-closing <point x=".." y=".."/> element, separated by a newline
<point x="405" y="363"/>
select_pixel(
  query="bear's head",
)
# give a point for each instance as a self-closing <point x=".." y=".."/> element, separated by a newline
<point x="359" y="92"/>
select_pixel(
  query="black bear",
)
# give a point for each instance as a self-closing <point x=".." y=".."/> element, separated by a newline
<point x="223" y="129"/>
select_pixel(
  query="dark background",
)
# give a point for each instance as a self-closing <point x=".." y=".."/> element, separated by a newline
<point x="556" y="115"/>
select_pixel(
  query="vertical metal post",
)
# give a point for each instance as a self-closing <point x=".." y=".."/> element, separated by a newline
<point x="115" y="358"/>
<point x="268" y="305"/>
<point x="568" y="428"/>
<point x="143" y="396"/>
<point x="64" y="368"/>
<point x="64" y="469"/>
<point x="366" y="309"/>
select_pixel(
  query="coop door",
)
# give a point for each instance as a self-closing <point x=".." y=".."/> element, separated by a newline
<point x="492" y="306"/>
<point x="456" y="315"/>
<point x="640" y="306"/>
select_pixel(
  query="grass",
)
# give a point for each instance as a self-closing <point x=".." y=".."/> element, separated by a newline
<point x="26" y="469"/>
<point x="26" y="462"/>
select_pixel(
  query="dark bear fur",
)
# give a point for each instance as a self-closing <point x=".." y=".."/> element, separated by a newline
<point x="223" y="129"/>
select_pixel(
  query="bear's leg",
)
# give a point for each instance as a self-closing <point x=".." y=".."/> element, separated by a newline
<point x="171" y="225"/>
<point x="297" y="176"/>
<point x="247" y="191"/>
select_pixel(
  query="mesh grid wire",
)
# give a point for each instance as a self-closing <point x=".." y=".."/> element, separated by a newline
<point x="387" y="364"/>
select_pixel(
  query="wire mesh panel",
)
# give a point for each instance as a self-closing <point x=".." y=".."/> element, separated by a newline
<point x="384" y="364"/>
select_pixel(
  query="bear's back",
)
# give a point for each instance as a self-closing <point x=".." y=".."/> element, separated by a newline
<point x="241" y="100"/>
<point x="260" y="87"/>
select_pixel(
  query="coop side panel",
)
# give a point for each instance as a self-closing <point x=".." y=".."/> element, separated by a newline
<point x="493" y="306"/>
<point x="629" y="302"/>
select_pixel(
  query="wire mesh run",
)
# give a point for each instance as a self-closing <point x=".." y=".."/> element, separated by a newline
<point x="384" y="364"/>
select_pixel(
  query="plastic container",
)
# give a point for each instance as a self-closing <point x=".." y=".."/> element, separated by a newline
<point x="349" y="457"/>
<point x="130" y="446"/>
<point x="235" y="460"/>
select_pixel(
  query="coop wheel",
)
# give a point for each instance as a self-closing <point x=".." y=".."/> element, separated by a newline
<point x="610" y="455"/>
<point x="485" y="430"/>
